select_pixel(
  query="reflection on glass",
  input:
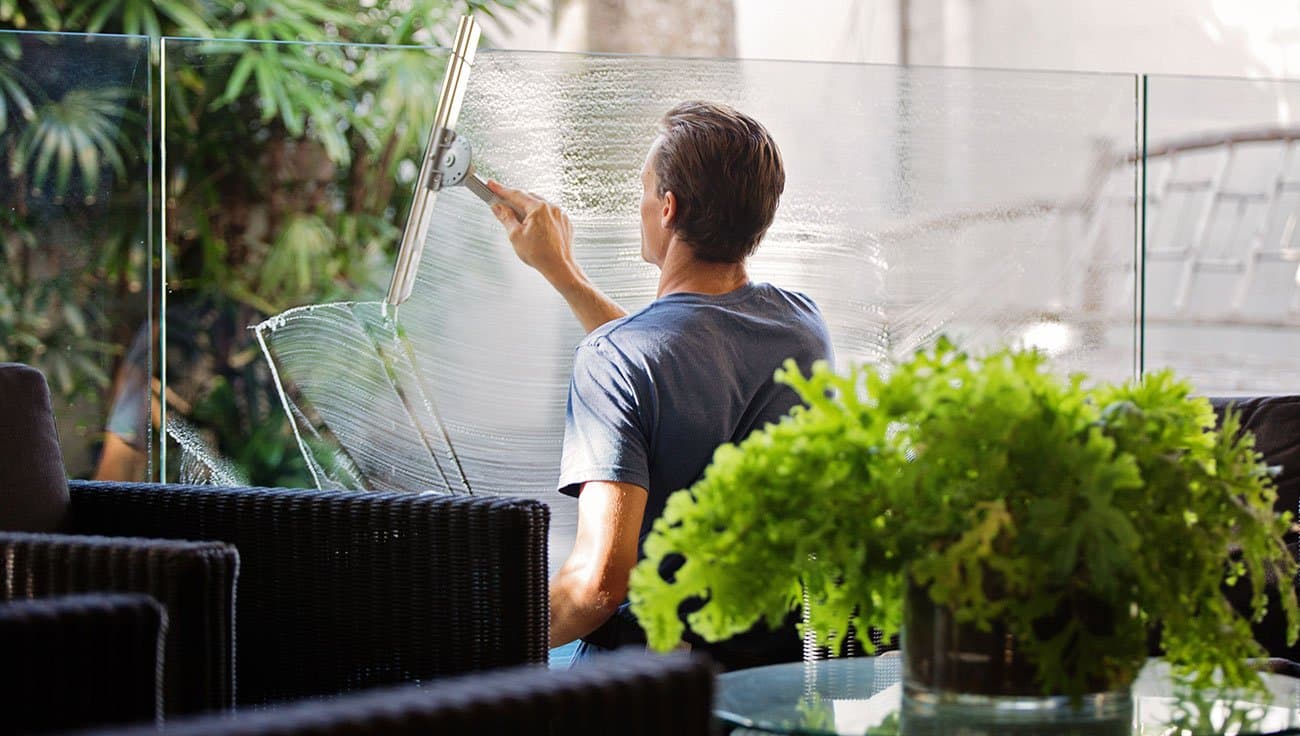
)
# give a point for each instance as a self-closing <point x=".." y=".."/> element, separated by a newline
<point x="74" y="228"/>
<point x="1222" y="298"/>
<point x="862" y="695"/>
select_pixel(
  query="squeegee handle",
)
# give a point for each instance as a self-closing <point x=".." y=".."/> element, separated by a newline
<point x="480" y="187"/>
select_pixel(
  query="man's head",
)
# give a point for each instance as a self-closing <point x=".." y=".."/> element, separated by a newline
<point x="713" y="178"/>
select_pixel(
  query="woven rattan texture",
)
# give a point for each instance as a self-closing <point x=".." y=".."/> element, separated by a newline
<point x="340" y="591"/>
<point x="80" y="660"/>
<point x="1275" y="422"/>
<point x="194" y="581"/>
<point x="626" y="693"/>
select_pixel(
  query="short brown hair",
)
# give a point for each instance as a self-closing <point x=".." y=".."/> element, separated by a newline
<point x="726" y="173"/>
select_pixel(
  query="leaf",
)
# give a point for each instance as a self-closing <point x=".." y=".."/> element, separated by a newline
<point x="12" y="92"/>
<point x="76" y="322"/>
<point x="289" y="112"/>
<point x="131" y="17"/>
<point x="238" y="78"/>
<point x="267" y="97"/>
<point x="50" y="16"/>
<point x="149" y="19"/>
<point x="327" y="131"/>
<point x="188" y="21"/>
<point x="87" y="159"/>
<point x="314" y="70"/>
<point x="96" y="21"/>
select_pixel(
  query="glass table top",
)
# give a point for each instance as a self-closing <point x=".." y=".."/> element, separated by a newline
<point x="863" y="695"/>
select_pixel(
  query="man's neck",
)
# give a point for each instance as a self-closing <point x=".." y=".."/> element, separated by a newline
<point x="682" y="272"/>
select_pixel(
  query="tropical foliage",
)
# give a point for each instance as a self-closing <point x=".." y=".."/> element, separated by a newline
<point x="1080" y="516"/>
<point x="284" y="162"/>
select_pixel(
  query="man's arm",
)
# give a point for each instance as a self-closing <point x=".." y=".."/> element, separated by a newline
<point x="544" y="240"/>
<point x="592" y="582"/>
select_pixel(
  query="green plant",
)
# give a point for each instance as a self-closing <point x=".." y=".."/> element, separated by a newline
<point x="1004" y="491"/>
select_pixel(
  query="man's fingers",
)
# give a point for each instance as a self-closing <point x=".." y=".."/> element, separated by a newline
<point x="507" y="217"/>
<point x="525" y="202"/>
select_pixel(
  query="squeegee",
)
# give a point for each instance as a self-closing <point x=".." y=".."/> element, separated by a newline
<point x="448" y="161"/>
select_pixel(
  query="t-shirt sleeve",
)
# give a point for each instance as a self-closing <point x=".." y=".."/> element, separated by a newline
<point x="604" y="436"/>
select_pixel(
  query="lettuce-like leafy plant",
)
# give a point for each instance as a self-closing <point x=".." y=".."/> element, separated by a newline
<point x="1003" y="490"/>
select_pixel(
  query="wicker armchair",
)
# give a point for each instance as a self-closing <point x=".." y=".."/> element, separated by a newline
<point x="336" y="591"/>
<point x="77" y="661"/>
<point x="341" y="591"/>
<point x="1275" y="420"/>
<point x="194" y="581"/>
<point x="628" y="693"/>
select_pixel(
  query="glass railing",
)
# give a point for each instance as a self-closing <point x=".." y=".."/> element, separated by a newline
<point x="75" y="228"/>
<point x="993" y="206"/>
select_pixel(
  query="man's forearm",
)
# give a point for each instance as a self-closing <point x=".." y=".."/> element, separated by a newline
<point x="590" y="305"/>
<point x="574" y="615"/>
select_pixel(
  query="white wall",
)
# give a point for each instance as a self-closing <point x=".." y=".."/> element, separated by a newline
<point x="1259" y="38"/>
<point x="825" y="30"/>
<point x="822" y="30"/>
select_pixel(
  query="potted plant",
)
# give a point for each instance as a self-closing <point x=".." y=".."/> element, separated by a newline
<point x="986" y="497"/>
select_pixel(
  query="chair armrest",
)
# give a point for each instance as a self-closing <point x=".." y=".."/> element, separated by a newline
<point x="622" y="693"/>
<point x="340" y="591"/>
<point x="81" y="660"/>
<point x="194" y="581"/>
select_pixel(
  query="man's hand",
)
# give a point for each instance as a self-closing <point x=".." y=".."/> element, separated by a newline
<point x="544" y="240"/>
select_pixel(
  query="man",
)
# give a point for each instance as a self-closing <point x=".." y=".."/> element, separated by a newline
<point x="654" y="393"/>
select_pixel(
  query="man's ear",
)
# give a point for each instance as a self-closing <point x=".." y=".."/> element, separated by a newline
<point x="669" y="211"/>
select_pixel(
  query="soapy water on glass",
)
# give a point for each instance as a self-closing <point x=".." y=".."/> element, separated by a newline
<point x="463" y="388"/>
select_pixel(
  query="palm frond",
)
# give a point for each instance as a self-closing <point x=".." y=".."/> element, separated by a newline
<point x="13" y="95"/>
<point x="79" y="133"/>
<point x="140" y="17"/>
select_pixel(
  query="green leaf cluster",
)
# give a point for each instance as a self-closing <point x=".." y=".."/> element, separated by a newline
<point x="1079" y="515"/>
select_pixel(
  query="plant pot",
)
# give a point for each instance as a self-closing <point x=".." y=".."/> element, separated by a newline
<point x="955" y="673"/>
<point x="941" y="655"/>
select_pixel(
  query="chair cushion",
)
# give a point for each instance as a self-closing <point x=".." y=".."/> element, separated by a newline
<point x="1275" y="420"/>
<point x="33" y="486"/>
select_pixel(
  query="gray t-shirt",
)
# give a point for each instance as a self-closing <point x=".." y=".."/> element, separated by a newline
<point x="655" y="393"/>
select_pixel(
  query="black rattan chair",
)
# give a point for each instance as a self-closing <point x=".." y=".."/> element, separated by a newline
<point x="194" y="581"/>
<point x="340" y="591"/>
<point x="1275" y="420"/>
<point x="78" y="661"/>
<point x="625" y="693"/>
<point x="336" y="591"/>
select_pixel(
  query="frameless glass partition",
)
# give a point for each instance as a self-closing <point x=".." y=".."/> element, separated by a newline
<point x="287" y="181"/>
<point x="75" y="194"/>
<point x="996" y="207"/>
<point x="1222" y="259"/>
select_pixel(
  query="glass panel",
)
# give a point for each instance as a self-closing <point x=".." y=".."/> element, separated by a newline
<point x="287" y="170"/>
<point x="75" y="229"/>
<point x="1222" y="301"/>
<point x="992" y="206"/>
